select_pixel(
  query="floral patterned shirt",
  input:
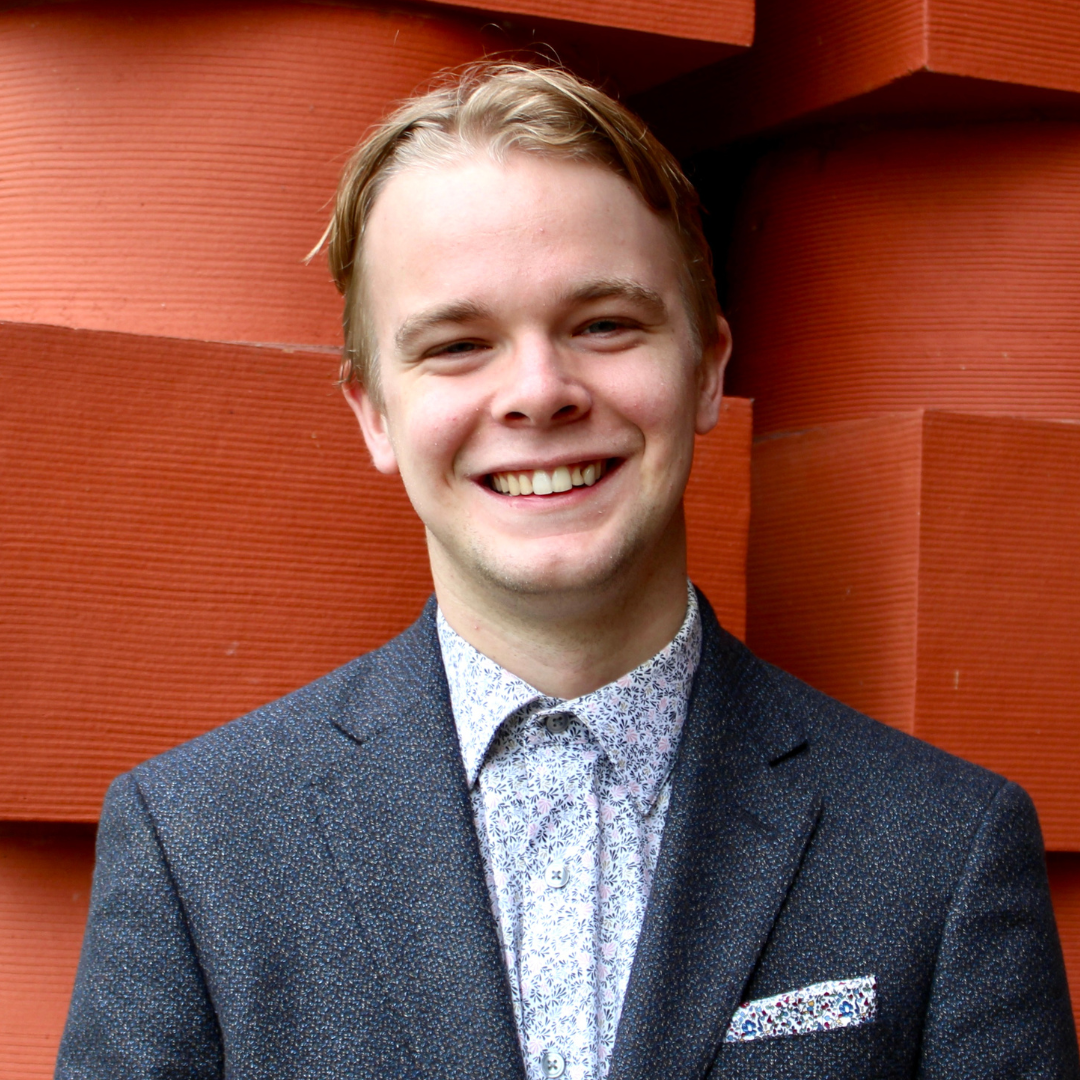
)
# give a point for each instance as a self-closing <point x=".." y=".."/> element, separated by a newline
<point x="569" y="799"/>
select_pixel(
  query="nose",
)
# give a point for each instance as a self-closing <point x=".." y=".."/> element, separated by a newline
<point x="539" y="388"/>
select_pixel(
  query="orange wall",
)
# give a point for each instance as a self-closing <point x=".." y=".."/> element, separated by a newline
<point x="44" y="894"/>
<point x="876" y="272"/>
<point x="165" y="172"/>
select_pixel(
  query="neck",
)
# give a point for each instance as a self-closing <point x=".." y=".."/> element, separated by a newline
<point x="568" y="644"/>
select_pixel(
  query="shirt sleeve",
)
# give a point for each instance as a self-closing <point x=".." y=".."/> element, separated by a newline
<point x="140" y="1008"/>
<point x="999" y="1006"/>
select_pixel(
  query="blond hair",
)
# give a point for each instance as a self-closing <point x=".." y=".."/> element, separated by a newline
<point x="500" y="106"/>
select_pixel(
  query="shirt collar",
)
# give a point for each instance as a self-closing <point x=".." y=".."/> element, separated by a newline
<point x="637" y="719"/>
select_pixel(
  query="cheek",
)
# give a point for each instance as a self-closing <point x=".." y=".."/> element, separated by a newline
<point x="661" y="405"/>
<point x="428" y="429"/>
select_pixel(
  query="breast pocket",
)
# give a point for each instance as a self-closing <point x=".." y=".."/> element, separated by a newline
<point x="855" y="1053"/>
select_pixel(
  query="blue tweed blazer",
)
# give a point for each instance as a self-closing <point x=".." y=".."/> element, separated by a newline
<point x="300" y="894"/>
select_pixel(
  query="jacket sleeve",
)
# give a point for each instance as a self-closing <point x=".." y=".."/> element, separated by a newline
<point x="140" y="1009"/>
<point x="999" y="1006"/>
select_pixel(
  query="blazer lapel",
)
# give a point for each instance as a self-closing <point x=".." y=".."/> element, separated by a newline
<point x="737" y="826"/>
<point x="396" y="815"/>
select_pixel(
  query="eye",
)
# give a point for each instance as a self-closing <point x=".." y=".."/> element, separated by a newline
<point x="604" y="326"/>
<point x="456" y="348"/>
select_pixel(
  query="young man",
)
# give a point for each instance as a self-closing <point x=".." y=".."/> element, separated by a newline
<point x="565" y="824"/>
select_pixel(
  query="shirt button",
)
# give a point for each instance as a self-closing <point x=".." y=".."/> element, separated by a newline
<point x="556" y="877"/>
<point x="552" y="1063"/>
<point x="557" y="724"/>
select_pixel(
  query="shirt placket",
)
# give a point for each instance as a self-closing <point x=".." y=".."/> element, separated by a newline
<point x="556" y="955"/>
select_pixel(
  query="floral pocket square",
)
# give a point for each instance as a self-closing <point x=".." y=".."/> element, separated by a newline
<point x="824" y="1006"/>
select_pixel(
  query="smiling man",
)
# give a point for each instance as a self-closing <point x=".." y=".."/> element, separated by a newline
<point x="565" y="824"/>
<point x="540" y="382"/>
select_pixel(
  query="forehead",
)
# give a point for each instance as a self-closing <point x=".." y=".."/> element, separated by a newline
<point x="516" y="233"/>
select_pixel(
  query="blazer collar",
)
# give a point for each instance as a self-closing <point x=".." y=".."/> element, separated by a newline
<point x="396" y="815"/>
<point x="740" y="817"/>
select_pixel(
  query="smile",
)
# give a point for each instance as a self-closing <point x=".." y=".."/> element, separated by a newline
<point x="543" y="482"/>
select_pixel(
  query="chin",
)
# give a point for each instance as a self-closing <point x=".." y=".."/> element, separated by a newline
<point x="559" y="572"/>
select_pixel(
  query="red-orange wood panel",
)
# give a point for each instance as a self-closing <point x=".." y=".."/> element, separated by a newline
<point x="165" y="170"/>
<point x="44" y="892"/>
<point x="718" y="514"/>
<point x="999" y="604"/>
<point x="189" y="530"/>
<point x="812" y="56"/>
<point x="727" y="22"/>
<point x="192" y="529"/>
<point x="1036" y="42"/>
<point x="904" y="268"/>
<point x="1064" y="869"/>
<point x="923" y="569"/>
<point x="833" y="564"/>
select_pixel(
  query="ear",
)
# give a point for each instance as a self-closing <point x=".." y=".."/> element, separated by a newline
<point x="374" y="427"/>
<point x="711" y="378"/>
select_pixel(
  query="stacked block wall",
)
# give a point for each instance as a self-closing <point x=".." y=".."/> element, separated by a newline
<point x="906" y="268"/>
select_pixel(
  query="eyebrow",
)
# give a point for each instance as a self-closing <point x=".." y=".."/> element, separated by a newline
<point x="619" y="288"/>
<point x="415" y="326"/>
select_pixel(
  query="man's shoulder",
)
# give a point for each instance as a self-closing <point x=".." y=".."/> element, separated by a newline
<point x="285" y="743"/>
<point x="857" y="762"/>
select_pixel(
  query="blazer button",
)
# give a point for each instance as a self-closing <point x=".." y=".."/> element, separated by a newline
<point x="556" y="877"/>
<point x="552" y="1063"/>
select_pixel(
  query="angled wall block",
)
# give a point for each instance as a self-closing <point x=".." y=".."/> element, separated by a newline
<point x="828" y="59"/>
<point x="190" y="529"/>
<point x="45" y="873"/>
<point x="938" y="268"/>
<point x="922" y="567"/>
<point x="728" y="22"/>
<point x="166" y="170"/>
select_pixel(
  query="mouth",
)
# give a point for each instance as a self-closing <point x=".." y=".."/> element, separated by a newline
<point x="550" y="481"/>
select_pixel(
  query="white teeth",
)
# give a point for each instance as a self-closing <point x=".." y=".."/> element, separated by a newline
<point x="541" y="482"/>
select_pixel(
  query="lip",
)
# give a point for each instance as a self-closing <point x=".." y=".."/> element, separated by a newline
<point x="547" y="464"/>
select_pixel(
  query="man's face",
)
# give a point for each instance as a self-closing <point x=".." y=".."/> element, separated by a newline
<point x="531" y="334"/>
